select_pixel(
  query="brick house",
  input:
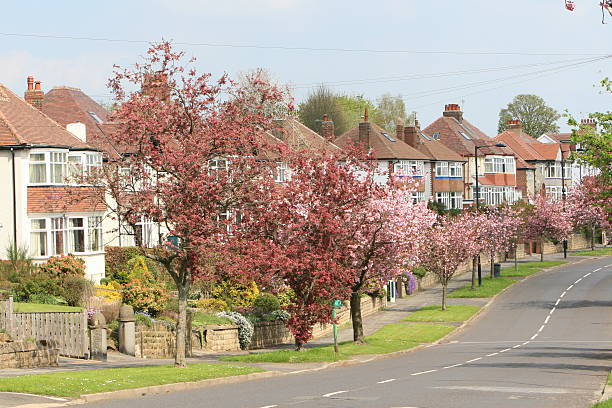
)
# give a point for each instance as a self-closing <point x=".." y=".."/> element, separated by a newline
<point x="446" y="166"/>
<point x="393" y="155"/>
<point x="72" y="108"/>
<point x="496" y="165"/>
<point x="542" y="172"/>
<point x="43" y="211"/>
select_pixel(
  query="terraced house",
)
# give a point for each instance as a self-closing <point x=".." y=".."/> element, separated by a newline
<point x="496" y="165"/>
<point x="42" y="210"/>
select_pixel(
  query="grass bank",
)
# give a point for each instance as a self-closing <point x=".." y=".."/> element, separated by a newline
<point x="490" y="287"/>
<point x="529" y="268"/>
<point x="76" y="383"/>
<point x="453" y="313"/>
<point x="597" y="252"/>
<point x="390" y="338"/>
<point x="19" y="307"/>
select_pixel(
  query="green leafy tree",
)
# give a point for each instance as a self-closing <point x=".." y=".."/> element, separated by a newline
<point x="390" y="110"/>
<point x="323" y="101"/>
<point x="353" y="108"/>
<point x="537" y="118"/>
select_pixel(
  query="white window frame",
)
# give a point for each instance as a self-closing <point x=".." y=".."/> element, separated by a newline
<point x="418" y="196"/>
<point x="499" y="165"/>
<point x="554" y="192"/>
<point x="496" y="195"/>
<point x="60" y="225"/>
<point x="452" y="200"/>
<point x="413" y="168"/>
<point x="36" y="233"/>
<point x="554" y="170"/>
<point x="64" y="160"/>
<point x="442" y="169"/>
<point x="281" y="172"/>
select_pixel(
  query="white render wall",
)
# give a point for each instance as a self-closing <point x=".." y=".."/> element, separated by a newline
<point x="6" y="199"/>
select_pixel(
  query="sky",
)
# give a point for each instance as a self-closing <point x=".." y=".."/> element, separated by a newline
<point x="477" y="53"/>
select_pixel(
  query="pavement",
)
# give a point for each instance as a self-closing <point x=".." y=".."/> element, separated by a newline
<point x="503" y="359"/>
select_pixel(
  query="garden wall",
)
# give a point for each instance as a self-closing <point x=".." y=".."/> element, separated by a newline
<point x="29" y="354"/>
<point x="157" y="341"/>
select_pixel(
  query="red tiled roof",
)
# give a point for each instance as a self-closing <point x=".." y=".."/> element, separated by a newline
<point x="57" y="199"/>
<point x="451" y="133"/>
<point x="383" y="147"/>
<point x="70" y="105"/>
<point x="435" y="150"/>
<point x="299" y="136"/>
<point x="528" y="148"/>
<point x="21" y="123"/>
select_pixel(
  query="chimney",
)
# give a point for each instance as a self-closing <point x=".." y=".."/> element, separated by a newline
<point x="399" y="130"/>
<point x="453" y="111"/>
<point x="365" y="128"/>
<point x="588" y="123"/>
<point x="514" y="125"/>
<point x="156" y="84"/>
<point x="327" y="128"/>
<point x="411" y="134"/>
<point x="34" y="95"/>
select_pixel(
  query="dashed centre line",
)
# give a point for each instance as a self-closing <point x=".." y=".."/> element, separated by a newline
<point x="547" y="318"/>
<point x="492" y="354"/>
<point x="425" y="372"/>
<point x="386" y="381"/>
<point x="453" y="366"/>
<point x="474" y="359"/>
<point x="331" y="394"/>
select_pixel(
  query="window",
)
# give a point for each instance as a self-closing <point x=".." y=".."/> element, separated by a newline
<point x="95" y="117"/>
<point x="409" y="167"/>
<point x="76" y="235"/>
<point x="217" y="166"/>
<point x="58" y="231"/>
<point x="389" y="137"/>
<point x="94" y="162"/>
<point x="436" y="136"/>
<point x="75" y="167"/>
<point x="451" y="200"/>
<point x="449" y="169"/>
<point x="38" y="237"/>
<point x="281" y="172"/>
<point x="418" y="196"/>
<point x="38" y="168"/>
<point x="58" y="167"/>
<point x="496" y="195"/>
<point x="553" y="170"/>
<point x="499" y="164"/>
<point x="94" y="233"/>
<point x="554" y="192"/>
<point x="465" y="136"/>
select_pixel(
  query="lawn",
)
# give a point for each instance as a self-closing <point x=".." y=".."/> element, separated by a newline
<point x="39" y="307"/>
<point x="453" y="313"/>
<point x="390" y="338"/>
<point x="597" y="252"/>
<point x="76" y="383"/>
<point x="489" y="288"/>
<point x="203" y="319"/>
<point x="529" y="268"/>
<point x="604" y="404"/>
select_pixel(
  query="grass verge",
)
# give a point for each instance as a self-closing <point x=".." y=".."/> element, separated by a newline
<point x="453" y="313"/>
<point x="489" y="288"/>
<point x="76" y="383"/>
<point x="390" y="338"/>
<point x="529" y="268"/>
<point x="42" y="308"/>
<point x="607" y="403"/>
<point x="597" y="252"/>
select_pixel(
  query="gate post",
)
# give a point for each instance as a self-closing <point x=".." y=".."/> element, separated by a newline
<point x="97" y="333"/>
<point x="127" y="331"/>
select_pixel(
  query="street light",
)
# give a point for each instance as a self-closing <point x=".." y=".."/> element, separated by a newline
<point x="477" y="191"/>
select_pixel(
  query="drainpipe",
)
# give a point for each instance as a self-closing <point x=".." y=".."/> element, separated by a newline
<point x="14" y="198"/>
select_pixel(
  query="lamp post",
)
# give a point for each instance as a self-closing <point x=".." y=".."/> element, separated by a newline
<point x="563" y="190"/>
<point x="477" y="192"/>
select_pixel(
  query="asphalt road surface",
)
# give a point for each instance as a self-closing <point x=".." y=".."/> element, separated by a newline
<point x="546" y="342"/>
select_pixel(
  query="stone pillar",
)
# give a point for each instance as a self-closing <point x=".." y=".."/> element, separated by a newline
<point x="127" y="330"/>
<point x="97" y="337"/>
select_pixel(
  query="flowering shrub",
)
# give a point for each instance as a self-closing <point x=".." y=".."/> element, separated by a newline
<point x="245" y="327"/>
<point x="411" y="283"/>
<point x="110" y="293"/>
<point x="147" y="297"/>
<point x="92" y="311"/>
<point x="279" y="315"/>
<point x="63" y="266"/>
<point x="212" y="305"/>
<point x="236" y="294"/>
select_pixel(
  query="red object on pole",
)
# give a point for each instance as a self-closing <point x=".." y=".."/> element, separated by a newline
<point x="570" y="5"/>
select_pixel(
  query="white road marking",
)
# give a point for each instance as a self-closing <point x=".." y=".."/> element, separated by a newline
<point x="607" y="266"/>
<point x="570" y="287"/>
<point x="329" y="394"/>
<point x="587" y="275"/>
<point x="424" y="372"/>
<point x="563" y="294"/>
<point x="517" y="346"/>
<point x="474" y="359"/>
<point x="541" y="328"/>
<point x="504" y="350"/>
<point x="557" y="304"/>
<point x="578" y="281"/>
<point x="596" y="270"/>
<point x="514" y="390"/>
<point x="270" y="406"/>
<point x="526" y="343"/>
<point x="453" y="366"/>
<point x="553" y="309"/>
<point x="547" y="319"/>
<point x="492" y="354"/>
<point x="386" y="381"/>
<point x="534" y="336"/>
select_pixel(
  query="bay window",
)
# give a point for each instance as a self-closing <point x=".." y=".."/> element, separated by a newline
<point x="38" y="237"/>
<point x="499" y="164"/>
<point x="54" y="167"/>
<point x="449" y="169"/>
<point x="554" y="192"/>
<point x="281" y="172"/>
<point x="553" y="170"/>
<point x="38" y="168"/>
<point x="409" y="168"/>
<point x="76" y="235"/>
<point x="451" y="200"/>
<point x="418" y="196"/>
<point x="51" y="236"/>
<point x="94" y="243"/>
<point x="496" y="195"/>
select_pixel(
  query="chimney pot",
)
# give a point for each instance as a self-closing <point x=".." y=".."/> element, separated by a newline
<point x="327" y="128"/>
<point x="34" y="94"/>
<point x="37" y="86"/>
<point x="411" y="135"/>
<point x="365" y="114"/>
<point x="399" y="130"/>
<point x="30" y="83"/>
<point x="453" y="110"/>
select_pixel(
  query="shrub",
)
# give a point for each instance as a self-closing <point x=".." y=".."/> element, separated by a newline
<point x="46" y="299"/>
<point x="265" y="303"/>
<point x="111" y="292"/>
<point x="139" y="269"/>
<point x="143" y="318"/>
<point x="118" y="264"/>
<point x="149" y="297"/>
<point x="212" y="305"/>
<point x="37" y="285"/>
<point x="76" y="290"/>
<point x="278" y="315"/>
<point x="236" y="294"/>
<point x="419" y="272"/>
<point x="19" y="264"/>
<point x="285" y="297"/>
<point x="245" y="327"/>
<point x="62" y="267"/>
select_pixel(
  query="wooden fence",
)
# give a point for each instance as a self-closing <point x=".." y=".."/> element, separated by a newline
<point x="69" y="329"/>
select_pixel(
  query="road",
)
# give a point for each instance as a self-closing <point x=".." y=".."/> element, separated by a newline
<point x="546" y="342"/>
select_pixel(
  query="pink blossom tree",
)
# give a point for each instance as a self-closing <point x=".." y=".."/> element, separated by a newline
<point x="499" y="229"/>
<point x="547" y="219"/>
<point x="448" y="243"/>
<point x="588" y="205"/>
<point x="191" y="144"/>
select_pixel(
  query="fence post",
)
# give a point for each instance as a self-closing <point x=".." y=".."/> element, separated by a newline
<point x="10" y="317"/>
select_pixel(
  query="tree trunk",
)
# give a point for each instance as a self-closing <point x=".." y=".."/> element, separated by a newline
<point x="444" y="288"/>
<point x="298" y="345"/>
<point x="542" y="250"/>
<point x="474" y="266"/>
<point x="593" y="238"/>
<point x="516" y="258"/>
<point x="356" y="318"/>
<point x="181" y="326"/>
<point x="492" y="262"/>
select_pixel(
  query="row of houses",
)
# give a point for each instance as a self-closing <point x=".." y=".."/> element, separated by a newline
<point x="46" y="137"/>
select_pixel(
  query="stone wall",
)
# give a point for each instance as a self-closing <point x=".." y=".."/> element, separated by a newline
<point x="157" y="341"/>
<point x="29" y="354"/>
<point x="216" y="338"/>
<point x="369" y="305"/>
<point x="268" y="334"/>
<point x="578" y="241"/>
